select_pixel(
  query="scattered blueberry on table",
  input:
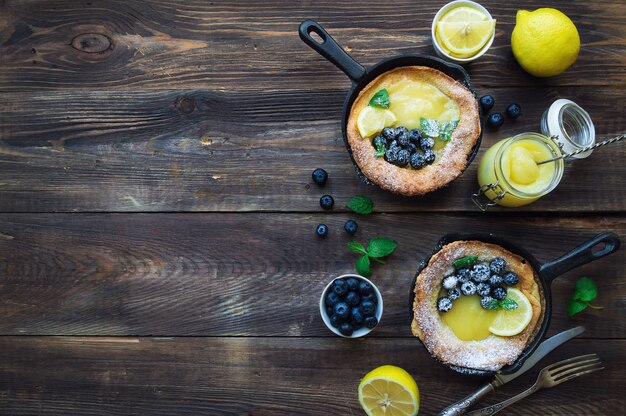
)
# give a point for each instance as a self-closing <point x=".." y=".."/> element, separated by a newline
<point x="320" y="176"/>
<point x="514" y="111"/>
<point x="487" y="102"/>
<point x="351" y="226"/>
<point x="327" y="202"/>
<point x="494" y="121"/>
<point x="321" y="230"/>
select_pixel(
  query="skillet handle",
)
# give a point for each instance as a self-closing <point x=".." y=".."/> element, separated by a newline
<point x="330" y="49"/>
<point x="582" y="254"/>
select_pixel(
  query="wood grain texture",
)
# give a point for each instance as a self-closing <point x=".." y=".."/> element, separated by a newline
<point x="246" y="44"/>
<point x="247" y="151"/>
<point x="250" y="274"/>
<point x="264" y="376"/>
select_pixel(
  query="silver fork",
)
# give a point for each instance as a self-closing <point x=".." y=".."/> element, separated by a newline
<point x="550" y="376"/>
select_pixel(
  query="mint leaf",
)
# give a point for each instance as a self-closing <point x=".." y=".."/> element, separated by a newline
<point x="381" y="247"/>
<point x="356" y="247"/>
<point x="585" y="290"/>
<point x="429" y="127"/>
<point x="380" y="99"/>
<point x="363" y="266"/>
<point x="574" y="306"/>
<point x="446" y="130"/>
<point x="492" y="305"/>
<point x="465" y="262"/>
<point x="361" y="204"/>
<point x="380" y="150"/>
<point x="508" y="304"/>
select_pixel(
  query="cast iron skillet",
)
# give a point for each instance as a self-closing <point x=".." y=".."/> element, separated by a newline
<point x="600" y="246"/>
<point x="361" y="76"/>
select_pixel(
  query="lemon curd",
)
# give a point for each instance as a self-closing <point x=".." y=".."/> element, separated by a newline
<point x="468" y="320"/>
<point x="410" y="100"/>
<point x="509" y="174"/>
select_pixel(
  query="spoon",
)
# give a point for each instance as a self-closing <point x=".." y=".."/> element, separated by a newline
<point x="584" y="149"/>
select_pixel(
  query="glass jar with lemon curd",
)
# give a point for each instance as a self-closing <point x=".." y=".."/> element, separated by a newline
<point x="509" y="174"/>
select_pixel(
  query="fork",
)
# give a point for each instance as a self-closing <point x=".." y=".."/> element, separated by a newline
<point x="550" y="376"/>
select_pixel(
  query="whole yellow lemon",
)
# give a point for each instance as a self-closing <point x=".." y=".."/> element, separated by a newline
<point x="545" y="42"/>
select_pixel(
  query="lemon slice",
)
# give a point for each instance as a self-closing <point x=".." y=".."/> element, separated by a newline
<point x="509" y="323"/>
<point x="464" y="14"/>
<point x="465" y="39"/>
<point x="372" y="120"/>
<point x="389" y="390"/>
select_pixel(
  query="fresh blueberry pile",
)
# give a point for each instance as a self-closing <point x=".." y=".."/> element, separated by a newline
<point x="351" y="305"/>
<point x="403" y="147"/>
<point x="488" y="280"/>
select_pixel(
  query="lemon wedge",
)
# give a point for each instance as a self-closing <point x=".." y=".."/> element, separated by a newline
<point x="389" y="390"/>
<point x="372" y="120"/>
<point x="464" y="31"/>
<point x="509" y="323"/>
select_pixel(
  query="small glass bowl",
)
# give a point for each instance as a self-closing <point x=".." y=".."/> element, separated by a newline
<point x="441" y="50"/>
<point x="363" y="330"/>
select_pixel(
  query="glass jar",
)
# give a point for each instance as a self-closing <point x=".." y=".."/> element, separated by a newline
<point x="570" y="125"/>
<point x="508" y="174"/>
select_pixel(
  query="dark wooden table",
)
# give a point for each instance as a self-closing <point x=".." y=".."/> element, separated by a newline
<point x="157" y="245"/>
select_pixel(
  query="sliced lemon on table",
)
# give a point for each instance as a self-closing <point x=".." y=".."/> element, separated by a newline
<point x="372" y="120"/>
<point x="464" y="31"/>
<point x="389" y="391"/>
<point x="509" y="323"/>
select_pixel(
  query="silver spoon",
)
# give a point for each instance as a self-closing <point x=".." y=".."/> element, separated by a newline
<point x="584" y="149"/>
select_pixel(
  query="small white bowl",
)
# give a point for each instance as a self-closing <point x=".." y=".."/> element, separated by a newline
<point x="361" y="331"/>
<point x="440" y="50"/>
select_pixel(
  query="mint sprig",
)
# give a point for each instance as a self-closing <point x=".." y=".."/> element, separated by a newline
<point x="380" y="99"/>
<point x="434" y="129"/>
<point x="377" y="248"/>
<point x="380" y="150"/>
<point x="464" y="262"/>
<point x="446" y="130"/>
<point x="507" y="304"/>
<point x="361" y="204"/>
<point x="585" y="291"/>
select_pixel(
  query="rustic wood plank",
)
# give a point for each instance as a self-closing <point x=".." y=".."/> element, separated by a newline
<point x="263" y="376"/>
<point x="252" y="45"/>
<point x="246" y="151"/>
<point x="250" y="274"/>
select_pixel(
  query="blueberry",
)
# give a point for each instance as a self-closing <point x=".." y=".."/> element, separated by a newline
<point x="365" y="288"/>
<point x="487" y="302"/>
<point x="356" y="317"/>
<point x="321" y="230"/>
<point x="444" y="304"/>
<point x="352" y="299"/>
<point x="332" y="299"/>
<point x="415" y="135"/>
<point x="495" y="280"/>
<point x="499" y="293"/>
<point x="391" y="155"/>
<point x="498" y="265"/>
<point x="454" y="294"/>
<point x="346" y="329"/>
<point x="427" y="143"/>
<point x="487" y="102"/>
<point x="514" y="111"/>
<point x="350" y="226"/>
<point x="510" y="278"/>
<point x="394" y="145"/>
<point x="449" y="282"/>
<point x="342" y="310"/>
<point x="371" y="297"/>
<point x="352" y="283"/>
<point x="483" y="289"/>
<point x="389" y="133"/>
<point x="494" y="121"/>
<point x="340" y="287"/>
<point x="429" y="156"/>
<point x="400" y="129"/>
<point x="319" y="176"/>
<point x="403" y="139"/>
<point x="468" y="288"/>
<point x="403" y="158"/>
<point x="371" y="322"/>
<point x="336" y="321"/>
<point x="379" y="141"/>
<point x="368" y="308"/>
<point x="411" y="148"/>
<point x="329" y="310"/>
<point x="463" y="275"/>
<point x="480" y="272"/>
<point x="327" y="202"/>
<point x="417" y="161"/>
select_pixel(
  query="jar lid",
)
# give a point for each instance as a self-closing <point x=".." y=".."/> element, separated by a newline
<point x="571" y="125"/>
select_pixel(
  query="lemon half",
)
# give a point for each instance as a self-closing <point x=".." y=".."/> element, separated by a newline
<point x="372" y="120"/>
<point x="509" y="323"/>
<point x="389" y="390"/>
